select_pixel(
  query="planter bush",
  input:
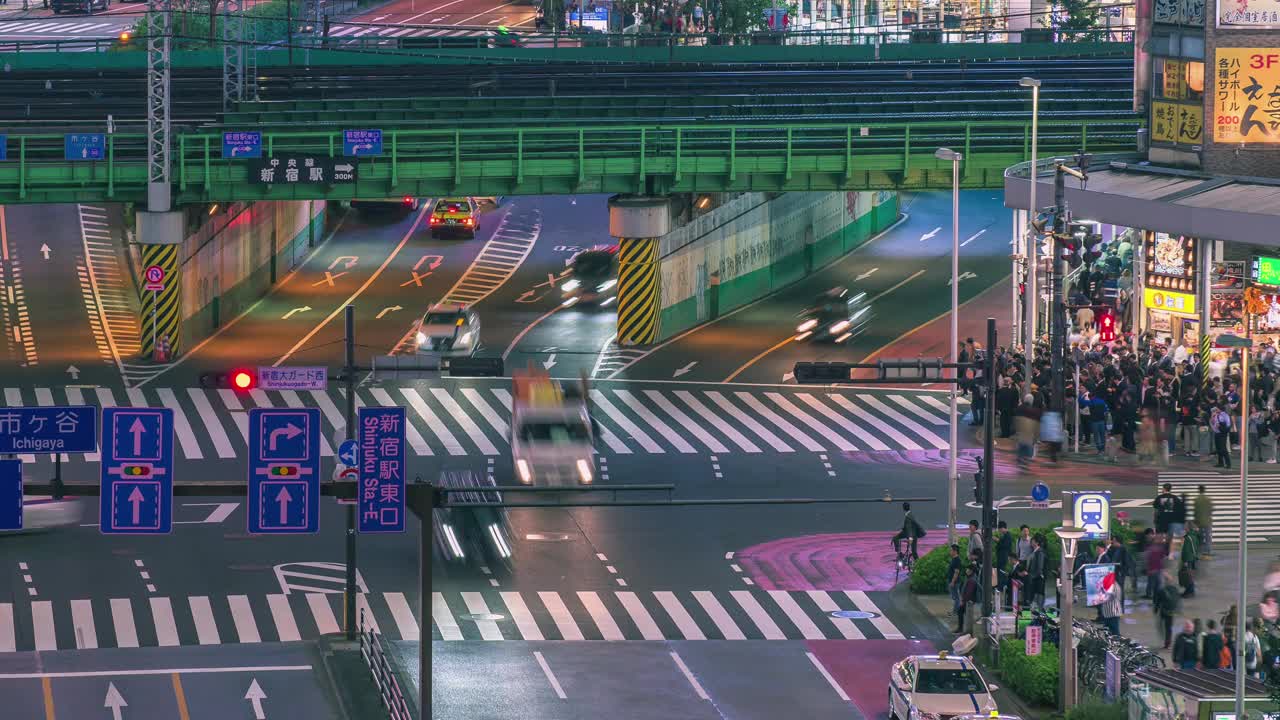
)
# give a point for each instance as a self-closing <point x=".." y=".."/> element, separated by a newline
<point x="1032" y="678"/>
<point x="1095" y="708"/>
<point x="929" y="577"/>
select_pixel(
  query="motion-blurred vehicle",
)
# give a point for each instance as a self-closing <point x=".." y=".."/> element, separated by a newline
<point x="552" y="433"/>
<point x="503" y="37"/>
<point x="836" y="315"/>
<point x="83" y="6"/>
<point x="405" y="205"/>
<point x="464" y="535"/>
<point x="938" y="687"/>
<point x="448" y="330"/>
<point x="593" y="274"/>
<point x="455" y="216"/>
<point x="45" y="513"/>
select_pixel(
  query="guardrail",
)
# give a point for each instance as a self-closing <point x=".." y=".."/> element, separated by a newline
<point x="383" y="676"/>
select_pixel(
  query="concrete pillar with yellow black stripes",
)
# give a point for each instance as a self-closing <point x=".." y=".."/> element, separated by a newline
<point x="160" y="319"/>
<point x="638" y="223"/>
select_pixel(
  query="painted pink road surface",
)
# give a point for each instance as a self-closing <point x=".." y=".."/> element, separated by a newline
<point x="861" y="668"/>
<point x="840" y="561"/>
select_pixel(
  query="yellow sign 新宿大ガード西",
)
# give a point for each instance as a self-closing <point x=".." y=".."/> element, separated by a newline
<point x="1166" y="301"/>
<point x="1246" y="95"/>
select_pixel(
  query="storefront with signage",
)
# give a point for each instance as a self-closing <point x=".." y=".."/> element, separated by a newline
<point x="1170" y="306"/>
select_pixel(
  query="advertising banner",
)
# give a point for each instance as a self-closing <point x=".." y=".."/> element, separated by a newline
<point x="1099" y="583"/>
<point x="1176" y="122"/>
<point x="1248" y="14"/>
<point x="1246" y="94"/>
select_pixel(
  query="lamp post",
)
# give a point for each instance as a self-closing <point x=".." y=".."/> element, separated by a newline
<point x="1031" y="295"/>
<point x="1070" y="537"/>
<point x="1236" y="341"/>
<point x="955" y="158"/>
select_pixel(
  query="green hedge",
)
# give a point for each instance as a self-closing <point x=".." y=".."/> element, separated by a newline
<point x="191" y="29"/>
<point x="1034" y="679"/>
<point x="1095" y="708"/>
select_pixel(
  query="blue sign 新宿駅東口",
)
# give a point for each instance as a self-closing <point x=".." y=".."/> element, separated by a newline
<point x="241" y="145"/>
<point x="380" y="496"/>
<point x="361" y="143"/>
<point x="84" y="146"/>
<point x="41" y="430"/>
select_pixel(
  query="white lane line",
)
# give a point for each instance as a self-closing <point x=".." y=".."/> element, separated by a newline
<point x="684" y="670"/>
<point x="569" y="630"/>
<point x="8" y="630"/>
<point x="551" y="677"/>
<point x="462" y="418"/>
<point x="82" y="624"/>
<point x="640" y="616"/>
<point x="525" y="623"/>
<point x="242" y="617"/>
<point x="487" y="412"/>
<point x="42" y="625"/>
<point x="796" y="615"/>
<point x="282" y="616"/>
<point x="845" y="423"/>
<point x="402" y="614"/>
<point x="758" y="615"/>
<point x="162" y="620"/>
<point x="905" y="421"/>
<point x="122" y="621"/>
<point x="625" y="423"/>
<point x="831" y="436"/>
<point x="236" y="409"/>
<point x="600" y="615"/>
<point x="322" y="613"/>
<point x="433" y="422"/>
<point x="449" y="629"/>
<point x="828" y="606"/>
<point x="645" y="414"/>
<point x="973" y="237"/>
<point x="476" y="606"/>
<point x="681" y="617"/>
<point x="685" y="421"/>
<point x="416" y="441"/>
<point x="881" y="623"/>
<point x="202" y="615"/>
<point x="748" y="421"/>
<point x="875" y="422"/>
<point x="827" y="676"/>
<point x="221" y="442"/>
<point x="719" y="615"/>
<point x="186" y="436"/>
<point x="725" y="428"/>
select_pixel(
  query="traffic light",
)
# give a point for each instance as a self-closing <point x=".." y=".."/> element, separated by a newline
<point x="283" y="471"/>
<point x="1106" y="318"/>
<point x="125" y="37"/>
<point x="240" y="380"/>
<point x="1092" y="248"/>
<point x="136" y="471"/>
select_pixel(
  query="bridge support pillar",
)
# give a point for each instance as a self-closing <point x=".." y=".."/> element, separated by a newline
<point x="638" y="222"/>
<point x="160" y="236"/>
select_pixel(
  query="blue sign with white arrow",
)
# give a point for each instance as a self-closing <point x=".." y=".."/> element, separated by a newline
<point x="361" y="143"/>
<point x="1040" y="492"/>
<point x="241" y="145"/>
<point x="53" y="429"/>
<point x="348" y="453"/>
<point x="284" y="471"/>
<point x="84" y="146"/>
<point x="10" y="494"/>
<point x="137" y="471"/>
<point x="380" y="500"/>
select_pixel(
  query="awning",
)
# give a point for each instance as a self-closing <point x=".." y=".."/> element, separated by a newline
<point x="1201" y="684"/>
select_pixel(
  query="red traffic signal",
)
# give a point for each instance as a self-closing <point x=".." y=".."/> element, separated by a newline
<point x="1106" y="324"/>
<point x="239" y="380"/>
<point x="242" y="380"/>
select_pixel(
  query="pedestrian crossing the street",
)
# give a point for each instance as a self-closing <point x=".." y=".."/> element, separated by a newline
<point x="1224" y="489"/>
<point x="45" y="625"/>
<point x="473" y="417"/>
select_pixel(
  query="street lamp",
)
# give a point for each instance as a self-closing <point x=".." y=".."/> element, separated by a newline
<point x="1070" y="537"/>
<point x="1235" y="341"/>
<point x="947" y="154"/>
<point x="1030" y="294"/>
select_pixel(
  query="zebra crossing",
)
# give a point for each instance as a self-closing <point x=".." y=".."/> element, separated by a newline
<point x="45" y="625"/>
<point x="1224" y="489"/>
<point x="472" y="417"/>
<point x="51" y="28"/>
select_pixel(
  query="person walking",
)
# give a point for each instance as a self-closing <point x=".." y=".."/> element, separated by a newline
<point x="1211" y="647"/>
<point x="1036" y="572"/>
<point x="1220" y="422"/>
<point x="1154" y="565"/>
<point x="970" y="597"/>
<point x="1006" y="405"/>
<point x="1112" y="603"/>
<point x="1186" y="651"/>
<point x="1203" y="514"/>
<point x="1187" y="567"/>
<point x="1168" y="604"/>
<point x="975" y="538"/>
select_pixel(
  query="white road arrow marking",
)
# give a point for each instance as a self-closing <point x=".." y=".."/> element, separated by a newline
<point x="786" y="376"/>
<point x="290" y="314"/>
<point x="685" y="369"/>
<point x="434" y="261"/>
<point x="529" y="296"/>
<point x="963" y="276"/>
<point x="386" y="310"/>
<point x="973" y="237"/>
<point x="114" y="701"/>
<point x="930" y="234"/>
<point x="44" y="250"/>
<point x="74" y="372"/>
<point x="867" y="274"/>
<point x="351" y="261"/>
<point x="549" y="362"/>
<point x="255" y="696"/>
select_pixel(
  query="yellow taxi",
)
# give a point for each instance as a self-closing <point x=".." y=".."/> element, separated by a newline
<point x="455" y="216"/>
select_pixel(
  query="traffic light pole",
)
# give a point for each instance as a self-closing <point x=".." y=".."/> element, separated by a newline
<point x="349" y="379"/>
<point x="1058" y="330"/>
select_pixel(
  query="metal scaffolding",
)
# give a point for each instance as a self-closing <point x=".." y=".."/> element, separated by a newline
<point x="233" y="54"/>
<point x="159" y="34"/>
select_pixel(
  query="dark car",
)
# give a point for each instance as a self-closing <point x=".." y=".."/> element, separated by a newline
<point x="835" y="316"/>
<point x="83" y="6"/>
<point x="592" y="277"/>
<point x="472" y="535"/>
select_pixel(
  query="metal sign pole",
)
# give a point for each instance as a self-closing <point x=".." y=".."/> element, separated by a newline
<point x="155" y="300"/>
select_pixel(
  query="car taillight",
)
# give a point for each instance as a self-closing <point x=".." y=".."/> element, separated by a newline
<point x="434" y="220"/>
<point x="408" y="200"/>
<point x="469" y="221"/>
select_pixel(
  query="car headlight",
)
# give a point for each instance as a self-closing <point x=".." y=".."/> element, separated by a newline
<point x="525" y="476"/>
<point x="465" y="338"/>
<point x="499" y="543"/>
<point x="807" y="325"/>
<point x="606" y="285"/>
<point x="839" y="327"/>
<point x="452" y="540"/>
<point x="584" y="471"/>
<point x="422" y="338"/>
<point x="921" y="715"/>
<point x="571" y="285"/>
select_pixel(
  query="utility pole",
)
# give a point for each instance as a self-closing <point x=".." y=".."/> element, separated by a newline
<point x="988" y="470"/>
<point x="1058" y="339"/>
<point x="349" y="379"/>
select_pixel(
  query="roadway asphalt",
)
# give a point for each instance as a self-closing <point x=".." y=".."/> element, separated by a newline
<point x="436" y="18"/>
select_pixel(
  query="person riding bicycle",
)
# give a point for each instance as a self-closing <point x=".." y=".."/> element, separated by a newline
<point x="911" y="530"/>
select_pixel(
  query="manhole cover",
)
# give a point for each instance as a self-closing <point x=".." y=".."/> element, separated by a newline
<point x="484" y="617"/>
<point x="855" y="615"/>
<point x="547" y="537"/>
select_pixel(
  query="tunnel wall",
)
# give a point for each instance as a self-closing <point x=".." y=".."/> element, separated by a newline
<point x="755" y="244"/>
<point x="235" y="258"/>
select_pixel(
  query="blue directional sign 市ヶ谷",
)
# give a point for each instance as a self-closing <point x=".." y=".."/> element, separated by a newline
<point x="380" y="501"/>
<point x="40" y="430"/>
<point x="348" y="453"/>
<point x="241" y="145"/>
<point x="137" y="471"/>
<point x="84" y="146"/>
<point x="361" y="143"/>
<point x="284" y="471"/>
<point x="10" y="494"/>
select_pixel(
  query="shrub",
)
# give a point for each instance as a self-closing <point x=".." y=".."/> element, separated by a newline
<point x="1034" y="679"/>
<point x="1095" y="708"/>
<point x="929" y="577"/>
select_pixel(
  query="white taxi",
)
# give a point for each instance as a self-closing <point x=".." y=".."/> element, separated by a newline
<point x="938" y="687"/>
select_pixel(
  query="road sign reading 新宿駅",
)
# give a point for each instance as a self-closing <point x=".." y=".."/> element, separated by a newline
<point x="241" y="145"/>
<point x="284" y="471"/>
<point x="84" y="146"/>
<point x="293" y="378"/>
<point x="137" y="471"/>
<point x="361" y="143"/>
<point x="380" y="504"/>
<point x="10" y="494"/>
<point x="49" y="429"/>
<point x="302" y="170"/>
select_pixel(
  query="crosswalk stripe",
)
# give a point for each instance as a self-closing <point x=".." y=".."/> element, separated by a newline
<point x="649" y="630"/>
<point x="433" y="422"/>
<point x="845" y="423"/>
<point x="758" y="615"/>
<point x="681" y="617"/>
<point x="416" y="441"/>
<point x="202" y="615"/>
<point x="925" y="414"/>
<point x="881" y="623"/>
<point x="136" y="397"/>
<point x="609" y="629"/>
<point x="162" y="619"/>
<point x="328" y="409"/>
<point x="82" y="625"/>
<point x="293" y="400"/>
<point x="633" y="431"/>
<point x="322" y="613"/>
<point x="449" y="629"/>
<point x="402" y="614"/>
<point x="880" y="425"/>
<point x="75" y="397"/>
<point x="718" y="615"/>
<point x="797" y="617"/>
<point x="238" y="415"/>
<point x="242" y="618"/>
<point x="186" y="436"/>
<point x="44" y="398"/>
<point x="13" y="398"/>
<point x="8" y="630"/>
<point x="685" y="421"/>
<point x="519" y="612"/>
<point x="42" y="625"/>
<point x="844" y="626"/>
<point x="748" y="421"/>
<point x="935" y="402"/>
<point x="478" y="609"/>
<point x="282" y="616"/>
<point x="463" y="419"/>
<point x="654" y="422"/>
<point x="727" y="430"/>
<point x="906" y="422"/>
<point x="363" y="609"/>
<point x="826" y="432"/>
<point x="560" y="615"/>
<point x="122" y="622"/>
<point x="221" y="443"/>
<point x="487" y="412"/>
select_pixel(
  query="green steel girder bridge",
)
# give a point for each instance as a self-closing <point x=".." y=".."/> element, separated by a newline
<point x="660" y="157"/>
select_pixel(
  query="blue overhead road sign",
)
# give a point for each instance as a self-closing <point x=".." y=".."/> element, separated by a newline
<point x="10" y="494"/>
<point x="361" y="143"/>
<point x="51" y="429"/>
<point x="284" y="471"/>
<point x="137" y="471"/>
<point x="380" y="501"/>
<point x="4" y="147"/>
<point x="84" y="146"/>
<point x="241" y="145"/>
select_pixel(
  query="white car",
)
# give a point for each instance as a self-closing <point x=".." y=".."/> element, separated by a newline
<point x="45" y="513"/>
<point x="938" y="687"/>
<point x="448" y="331"/>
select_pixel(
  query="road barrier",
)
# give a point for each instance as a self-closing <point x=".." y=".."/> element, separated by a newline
<point x="383" y="676"/>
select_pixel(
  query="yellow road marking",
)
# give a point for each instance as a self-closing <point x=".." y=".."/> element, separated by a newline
<point x="181" y="697"/>
<point x="47" y="686"/>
